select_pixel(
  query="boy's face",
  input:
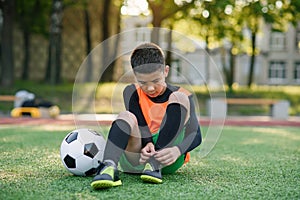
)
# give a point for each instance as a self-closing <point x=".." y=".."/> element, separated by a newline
<point x="153" y="84"/>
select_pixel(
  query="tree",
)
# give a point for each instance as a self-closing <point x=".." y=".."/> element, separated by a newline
<point x="108" y="71"/>
<point x="252" y="21"/>
<point x="272" y="12"/>
<point x="220" y="27"/>
<point x="109" y="50"/>
<point x="162" y="10"/>
<point x="169" y="48"/>
<point x="293" y="11"/>
<point x="32" y="18"/>
<point x="209" y="16"/>
<point x="55" y="46"/>
<point x="7" y="57"/>
<point x="227" y="19"/>
<point x="233" y="26"/>
<point x="165" y="12"/>
<point x="89" y="72"/>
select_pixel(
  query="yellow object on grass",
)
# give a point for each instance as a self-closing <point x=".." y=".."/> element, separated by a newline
<point x="33" y="111"/>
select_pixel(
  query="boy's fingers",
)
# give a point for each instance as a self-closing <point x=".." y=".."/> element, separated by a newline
<point x="143" y="160"/>
<point x="144" y="157"/>
<point x="166" y="156"/>
<point x="166" y="160"/>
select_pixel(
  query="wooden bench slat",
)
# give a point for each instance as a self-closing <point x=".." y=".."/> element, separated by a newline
<point x="7" y="98"/>
<point x="251" y="101"/>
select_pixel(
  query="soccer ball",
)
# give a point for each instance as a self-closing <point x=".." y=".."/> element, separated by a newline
<point x="81" y="151"/>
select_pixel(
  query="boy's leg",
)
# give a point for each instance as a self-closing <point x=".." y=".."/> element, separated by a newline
<point x="119" y="139"/>
<point x="133" y="148"/>
<point x="177" y="115"/>
<point x="123" y="137"/>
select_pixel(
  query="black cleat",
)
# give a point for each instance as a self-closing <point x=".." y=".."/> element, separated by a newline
<point x="151" y="174"/>
<point x="107" y="177"/>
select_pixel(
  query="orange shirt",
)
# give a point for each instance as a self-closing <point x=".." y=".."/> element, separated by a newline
<point x="153" y="112"/>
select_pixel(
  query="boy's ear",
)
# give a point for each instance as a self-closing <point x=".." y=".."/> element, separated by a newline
<point x="167" y="68"/>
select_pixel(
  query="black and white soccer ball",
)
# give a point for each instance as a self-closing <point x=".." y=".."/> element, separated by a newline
<point x="81" y="151"/>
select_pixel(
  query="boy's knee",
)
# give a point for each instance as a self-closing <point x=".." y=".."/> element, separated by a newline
<point x="180" y="98"/>
<point x="128" y="117"/>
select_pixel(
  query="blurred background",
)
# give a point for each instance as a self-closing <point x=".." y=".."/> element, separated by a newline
<point x="255" y="44"/>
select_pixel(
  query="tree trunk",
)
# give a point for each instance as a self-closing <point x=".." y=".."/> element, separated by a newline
<point x="26" y="39"/>
<point x="156" y="21"/>
<point x="117" y="40"/>
<point x="48" y="66"/>
<point x="89" y="71"/>
<point x="107" y="71"/>
<point x="207" y="74"/>
<point x="155" y="32"/>
<point x="169" y="50"/>
<point x="155" y="35"/>
<point x="7" y="64"/>
<point x="229" y="72"/>
<point x="58" y="64"/>
<point x="252" y="61"/>
<point x="224" y="64"/>
<point x="232" y="70"/>
<point x="53" y="71"/>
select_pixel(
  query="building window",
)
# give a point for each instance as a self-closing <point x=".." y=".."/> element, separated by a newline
<point x="176" y="71"/>
<point x="177" y="67"/>
<point x="278" y="41"/>
<point x="297" y="72"/>
<point x="142" y="35"/>
<point x="297" y="41"/>
<point x="277" y="71"/>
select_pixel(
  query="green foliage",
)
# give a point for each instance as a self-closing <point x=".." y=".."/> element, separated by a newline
<point x="294" y="10"/>
<point x="109" y="99"/>
<point x="247" y="163"/>
<point x="220" y="21"/>
<point x="33" y="15"/>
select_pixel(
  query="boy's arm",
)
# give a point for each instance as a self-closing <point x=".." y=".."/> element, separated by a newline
<point x="193" y="136"/>
<point x="131" y="101"/>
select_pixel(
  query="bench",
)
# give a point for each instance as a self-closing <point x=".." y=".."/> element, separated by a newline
<point x="20" y="111"/>
<point x="217" y="107"/>
<point x="240" y="101"/>
<point x="7" y="98"/>
<point x="34" y="112"/>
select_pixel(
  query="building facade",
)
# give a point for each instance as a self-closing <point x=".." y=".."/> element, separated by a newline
<point x="278" y="61"/>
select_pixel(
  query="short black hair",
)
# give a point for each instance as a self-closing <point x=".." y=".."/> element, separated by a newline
<point x="147" y="58"/>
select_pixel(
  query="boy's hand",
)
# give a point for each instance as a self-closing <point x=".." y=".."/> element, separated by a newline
<point x="167" y="156"/>
<point x="147" y="152"/>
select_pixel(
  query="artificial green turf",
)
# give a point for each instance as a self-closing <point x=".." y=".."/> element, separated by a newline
<point x="246" y="163"/>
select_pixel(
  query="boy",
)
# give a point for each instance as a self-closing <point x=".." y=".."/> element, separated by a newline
<point x="157" y="130"/>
